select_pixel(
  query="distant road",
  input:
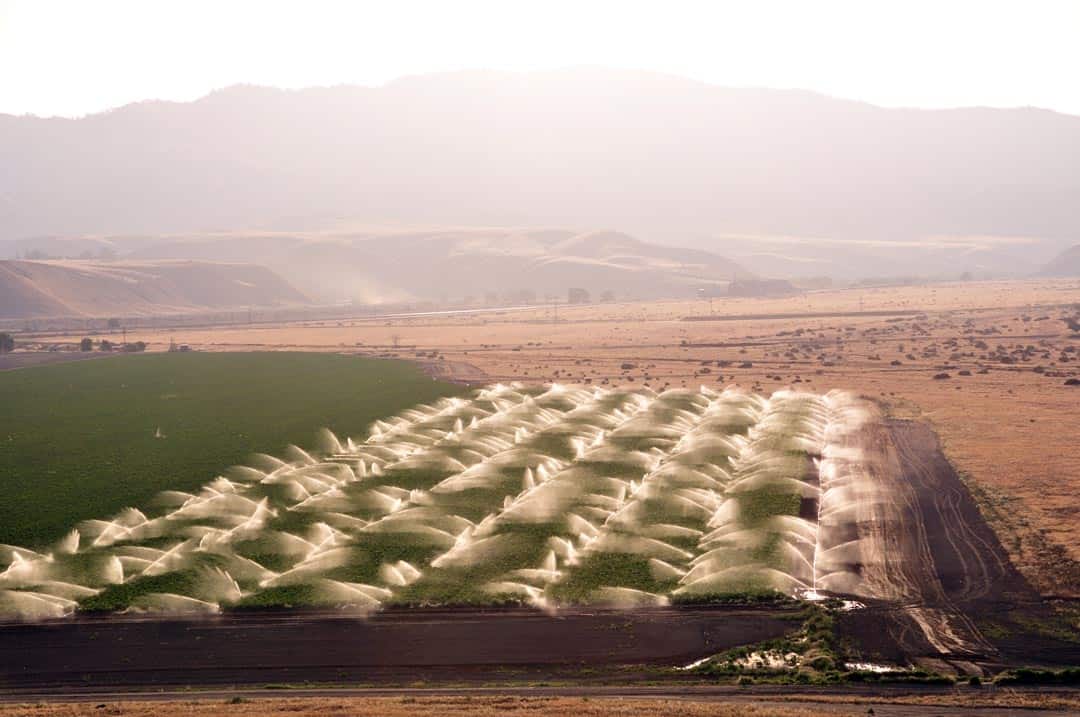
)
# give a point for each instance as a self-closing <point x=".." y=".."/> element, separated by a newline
<point x="802" y="315"/>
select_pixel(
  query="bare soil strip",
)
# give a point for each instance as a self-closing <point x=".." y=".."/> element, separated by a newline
<point x="394" y="647"/>
<point x="950" y="571"/>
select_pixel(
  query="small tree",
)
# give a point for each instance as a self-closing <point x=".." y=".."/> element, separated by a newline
<point x="86" y="344"/>
<point x="7" y="343"/>
<point x="577" y="295"/>
<point x="106" y="345"/>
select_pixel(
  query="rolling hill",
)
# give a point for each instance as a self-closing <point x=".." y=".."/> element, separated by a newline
<point x="381" y="266"/>
<point x="372" y="267"/>
<point x="38" y="289"/>
<point x="1067" y="263"/>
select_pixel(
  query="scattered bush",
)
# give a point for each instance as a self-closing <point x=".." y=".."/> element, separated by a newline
<point x="1035" y="676"/>
<point x="908" y="677"/>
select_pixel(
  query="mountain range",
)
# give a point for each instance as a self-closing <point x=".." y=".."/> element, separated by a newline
<point x="784" y="182"/>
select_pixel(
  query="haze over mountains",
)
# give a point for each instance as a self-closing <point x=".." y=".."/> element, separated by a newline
<point x="1067" y="263"/>
<point x="36" y="289"/>
<point x="784" y="183"/>
<point x="455" y="264"/>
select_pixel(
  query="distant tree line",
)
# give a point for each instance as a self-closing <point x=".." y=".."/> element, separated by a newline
<point x="87" y="344"/>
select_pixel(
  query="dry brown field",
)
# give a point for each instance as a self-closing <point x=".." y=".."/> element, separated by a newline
<point x="1007" y="420"/>
<point x="430" y="707"/>
<point x="748" y="705"/>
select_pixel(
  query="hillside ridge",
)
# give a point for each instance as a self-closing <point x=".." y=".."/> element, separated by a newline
<point x="66" y="288"/>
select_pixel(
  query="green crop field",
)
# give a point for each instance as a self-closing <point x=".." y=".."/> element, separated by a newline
<point x="529" y="494"/>
<point x="80" y="440"/>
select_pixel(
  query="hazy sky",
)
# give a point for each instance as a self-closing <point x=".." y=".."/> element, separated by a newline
<point x="79" y="56"/>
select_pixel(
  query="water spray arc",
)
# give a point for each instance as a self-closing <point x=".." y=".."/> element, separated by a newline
<point x="546" y="495"/>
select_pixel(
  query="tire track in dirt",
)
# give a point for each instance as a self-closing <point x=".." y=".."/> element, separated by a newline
<point x="940" y="564"/>
<point x="967" y="557"/>
<point x="943" y="555"/>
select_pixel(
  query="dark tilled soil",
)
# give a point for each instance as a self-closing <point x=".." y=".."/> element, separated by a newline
<point x="983" y="609"/>
<point x="394" y="647"/>
<point x="970" y="563"/>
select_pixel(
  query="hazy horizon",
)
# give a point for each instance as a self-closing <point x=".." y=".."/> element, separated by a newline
<point x="668" y="149"/>
<point x="531" y="72"/>
<point x="660" y="157"/>
<point x="902" y="56"/>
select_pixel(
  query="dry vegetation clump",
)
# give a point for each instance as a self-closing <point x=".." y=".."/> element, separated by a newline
<point x="426" y="707"/>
